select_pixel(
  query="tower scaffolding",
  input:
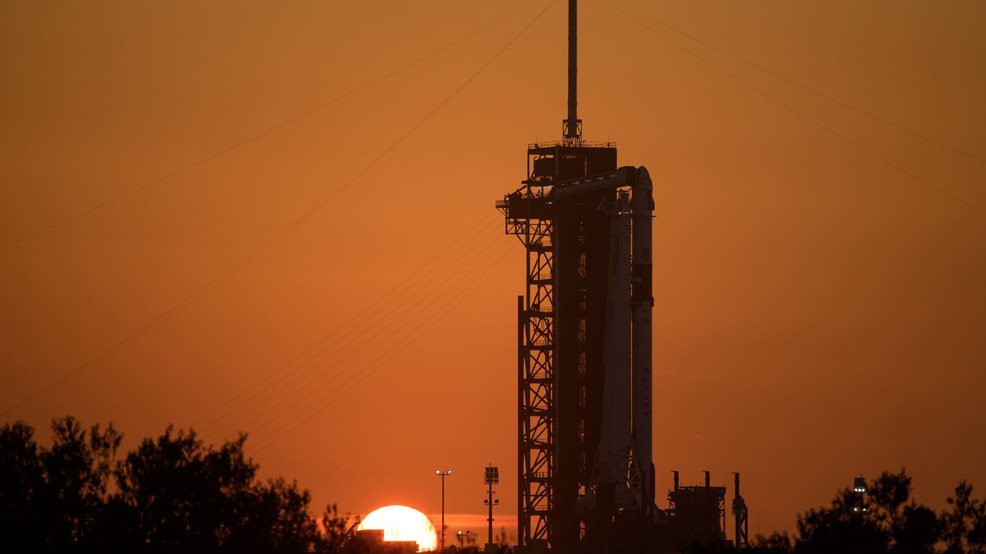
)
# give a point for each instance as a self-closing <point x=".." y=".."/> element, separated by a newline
<point x="536" y="407"/>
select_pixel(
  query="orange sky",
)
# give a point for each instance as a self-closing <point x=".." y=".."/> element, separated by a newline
<point x="820" y="305"/>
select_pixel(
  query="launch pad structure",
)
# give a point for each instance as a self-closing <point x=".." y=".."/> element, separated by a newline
<point x="584" y="340"/>
<point x="586" y="479"/>
<point x="584" y="345"/>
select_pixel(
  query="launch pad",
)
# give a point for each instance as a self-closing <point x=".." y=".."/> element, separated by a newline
<point x="586" y="479"/>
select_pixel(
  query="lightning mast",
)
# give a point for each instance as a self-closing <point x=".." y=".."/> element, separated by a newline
<point x="572" y="129"/>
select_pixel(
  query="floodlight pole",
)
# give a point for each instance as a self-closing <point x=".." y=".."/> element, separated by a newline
<point x="492" y="478"/>
<point x="489" y="492"/>
<point x="443" y="474"/>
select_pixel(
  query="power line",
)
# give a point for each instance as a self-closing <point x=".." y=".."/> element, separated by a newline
<point x="325" y="403"/>
<point x="811" y="120"/>
<point x="242" y="263"/>
<point x="255" y="137"/>
<point x="372" y="311"/>
<point x="274" y="384"/>
<point x="495" y="56"/>
<point x="393" y="341"/>
<point x="398" y="313"/>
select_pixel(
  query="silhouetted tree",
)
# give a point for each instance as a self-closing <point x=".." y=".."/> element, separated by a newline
<point x="889" y="493"/>
<point x="173" y="494"/>
<point x="841" y="528"/>
<point x="78" y="467"/>
<point x="911" y="528"/>
<point x="179" y="494"/>
<point x="184" y="496"/>
<point x="21" y="489"/>
<point x="53" y="500"/>
<point x="918" y="533"/>
<point x="334" y="527"/>
<point x="964" y="525"/>
<point x="775" y="542"/>
<point x="885" y="520"/>
<point x="277" y="521"/>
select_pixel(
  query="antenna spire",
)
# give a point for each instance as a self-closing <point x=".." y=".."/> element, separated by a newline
<point x="573" y="125"/>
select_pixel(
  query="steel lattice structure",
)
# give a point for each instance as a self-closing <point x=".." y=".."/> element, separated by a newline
<point x="584" y="416"/>
<point x="586" y="480"/>
<point x="585" y="477"/>
<point x="536" y="408"/>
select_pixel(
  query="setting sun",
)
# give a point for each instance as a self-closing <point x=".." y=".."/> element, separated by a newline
<point x="400" y="523"/>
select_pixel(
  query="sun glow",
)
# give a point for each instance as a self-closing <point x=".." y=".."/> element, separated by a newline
<point x="400" y="523"/>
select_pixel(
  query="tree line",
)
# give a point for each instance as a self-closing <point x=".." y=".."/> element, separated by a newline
<point x="886" y="519"/>
<point x="170" y="494"/>
<point x="174" y="493"/>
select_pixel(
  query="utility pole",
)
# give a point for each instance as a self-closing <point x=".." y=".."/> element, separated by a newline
<point x="492" y="478"/>
<point x="443" y="475"/>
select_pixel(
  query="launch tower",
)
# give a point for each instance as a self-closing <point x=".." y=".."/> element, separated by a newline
<point x="586" y="477"/>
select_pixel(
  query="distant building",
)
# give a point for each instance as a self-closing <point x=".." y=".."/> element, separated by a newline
<point x="697" y="514"/>
<point x="370" y="541"/>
